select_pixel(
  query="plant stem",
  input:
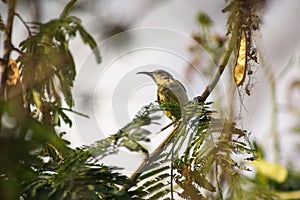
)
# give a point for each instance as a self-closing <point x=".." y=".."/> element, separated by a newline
<point x="7" y="45"/>
<point x="274" y="121"/>
<point x="224" y="60"/>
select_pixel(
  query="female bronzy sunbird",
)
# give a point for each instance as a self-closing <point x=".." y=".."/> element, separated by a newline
<point x="171" y="94"/>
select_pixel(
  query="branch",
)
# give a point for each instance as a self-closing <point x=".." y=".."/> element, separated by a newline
<point x="155" y="153"/>
<point x="7" y="45"/>
<point x="208" y="89"/>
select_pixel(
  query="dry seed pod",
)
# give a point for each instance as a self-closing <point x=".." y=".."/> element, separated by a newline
<point x="239" y="71"/>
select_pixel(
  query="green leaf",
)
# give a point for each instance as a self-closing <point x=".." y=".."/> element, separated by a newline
<point x="160" y="194"/>
<point x="65" y="117"/>
<point x="66" y="74"/>
<point x="2" y="25"/>
<point x="156" y="187"/>
<point x="67" y="8"/>
<point x="88" y="39"/>
<point x="132" y="145"/>
<point x="154" y="172"/>
<point x="204" y="19"/>
<point x="36" y="99"/>
<point x="202" y="182"/>
<point x="230" y="7"/>
<point x="65" y="88"/>
<point x="76" y="112"/>
<point x="140" y="134"/>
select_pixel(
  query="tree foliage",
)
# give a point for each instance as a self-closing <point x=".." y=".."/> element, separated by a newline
<point x="203" y="157"/>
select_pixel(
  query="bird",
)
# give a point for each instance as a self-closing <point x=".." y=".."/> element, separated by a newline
<point x="171" y="94"/>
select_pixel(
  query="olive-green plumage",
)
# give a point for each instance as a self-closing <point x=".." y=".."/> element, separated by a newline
<point x="171" y="94"/>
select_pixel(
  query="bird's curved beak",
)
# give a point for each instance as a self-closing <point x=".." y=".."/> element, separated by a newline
<point x="147" y="73"/>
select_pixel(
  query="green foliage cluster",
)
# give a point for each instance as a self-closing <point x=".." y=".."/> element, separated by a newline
<point x="36" y="163"/>
<point x="78" y="177"/>
<point x="47" y="65"/>
<point x="199" y="161"/>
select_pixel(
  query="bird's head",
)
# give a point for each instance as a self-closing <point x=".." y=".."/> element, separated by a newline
<point x="159" y="76"/>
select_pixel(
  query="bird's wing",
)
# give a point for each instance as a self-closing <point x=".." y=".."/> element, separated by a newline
<point x="173" y="90"/>
<point x="169" y="101"/>
<point x="179" y="90"/>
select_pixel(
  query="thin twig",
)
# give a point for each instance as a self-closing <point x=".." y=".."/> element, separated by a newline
<point x="13" y="48"/>
<point x="24" y="23"/>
